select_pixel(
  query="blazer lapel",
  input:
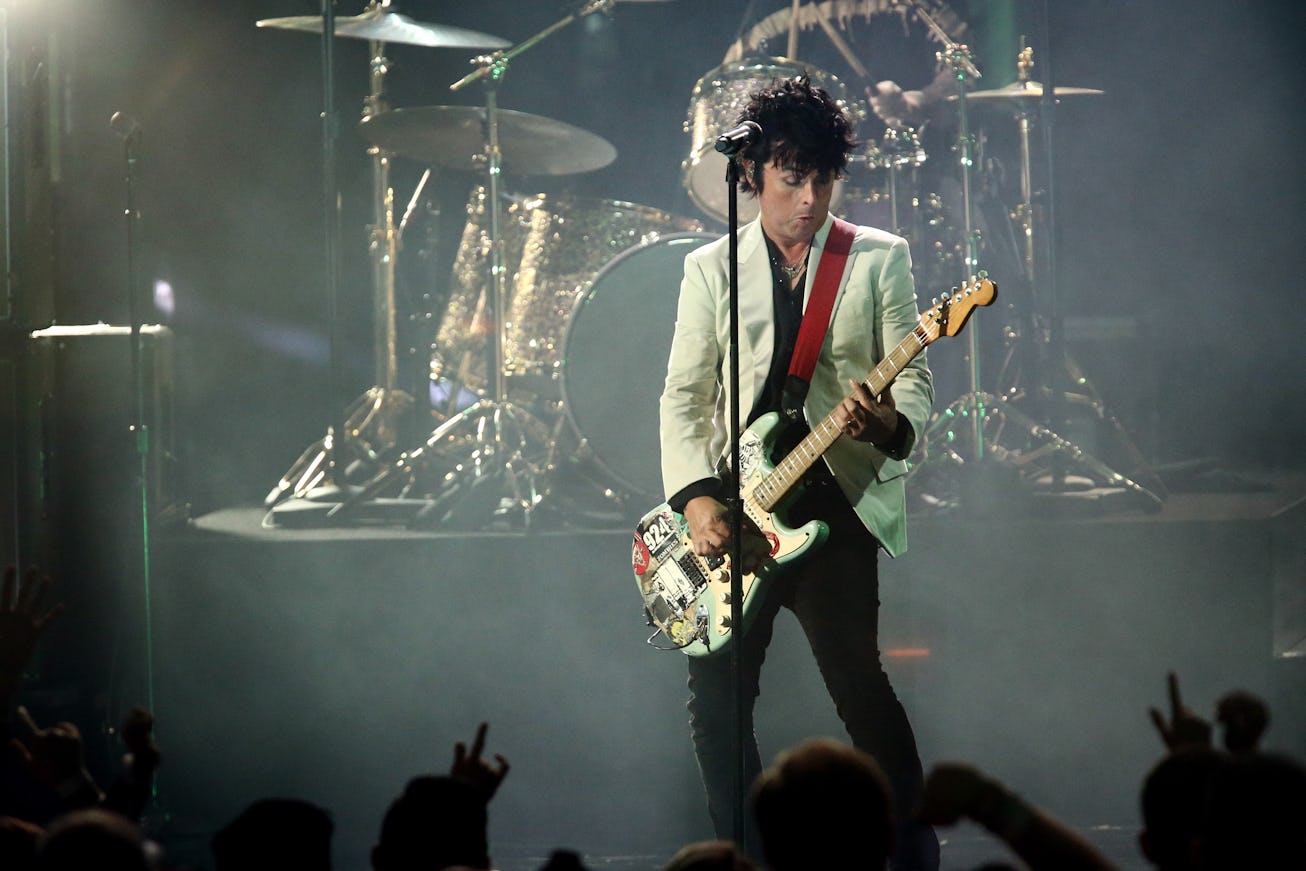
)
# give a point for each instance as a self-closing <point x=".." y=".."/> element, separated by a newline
<point x="756" y="314"/>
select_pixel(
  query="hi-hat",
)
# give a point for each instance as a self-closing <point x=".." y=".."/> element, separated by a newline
<point x="1026" y="91"/>
<point x="454" y="136"/>
<point x="382" y="25"/>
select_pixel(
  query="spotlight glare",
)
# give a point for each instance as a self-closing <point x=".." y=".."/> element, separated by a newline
<point x="165" y="301"/>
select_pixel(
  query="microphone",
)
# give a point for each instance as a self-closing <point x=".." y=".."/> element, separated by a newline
<point x="124" y="125"/>
<point x="734" y="141"/>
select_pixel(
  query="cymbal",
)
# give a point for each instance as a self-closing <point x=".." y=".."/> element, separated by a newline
<point x="383" y="25"/>
<point x="1026" y="91"/>
<point x="453" y="136"/>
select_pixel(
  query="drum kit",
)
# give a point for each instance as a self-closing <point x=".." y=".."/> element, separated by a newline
<point x="536" y="367"/>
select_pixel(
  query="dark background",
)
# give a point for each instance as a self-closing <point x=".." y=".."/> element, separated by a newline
<point x="1178" y="193"/>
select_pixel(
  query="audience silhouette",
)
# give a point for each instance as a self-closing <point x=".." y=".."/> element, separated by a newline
<point x="822" y="804"/>
<point x="275" y="834"/>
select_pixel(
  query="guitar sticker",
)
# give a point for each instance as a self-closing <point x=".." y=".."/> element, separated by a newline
<point x="639" y="557"/>
<point x="659" y="534"/>
<point x="750" y="453"/>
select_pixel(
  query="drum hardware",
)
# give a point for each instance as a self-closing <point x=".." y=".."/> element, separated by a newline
<point x="1026" y="96"/>
<point x="382" y="405"/>
<point x="969" y="408"/>
<point x="1043" y="456"/>
<point x="483" y="450"/>
<point x="496" y="427"/>
<point x="371" y="433"/>
<point x="958" y="58"/>
<point x="798" y="17"/>
<point x="899" y="155"/>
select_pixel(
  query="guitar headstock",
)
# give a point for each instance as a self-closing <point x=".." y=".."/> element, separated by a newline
<point x="949" y="314"/>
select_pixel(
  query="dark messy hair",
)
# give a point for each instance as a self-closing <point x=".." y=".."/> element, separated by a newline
<point x="803" y="129"/>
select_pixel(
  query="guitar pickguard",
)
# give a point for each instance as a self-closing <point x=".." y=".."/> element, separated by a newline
<point x="688" y="596"/>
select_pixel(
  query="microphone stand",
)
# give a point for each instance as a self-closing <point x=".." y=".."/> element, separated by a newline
<point x="736" y="507"/>
<point x="129" y="131"/>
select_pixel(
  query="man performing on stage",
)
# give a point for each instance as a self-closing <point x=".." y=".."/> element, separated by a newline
<point x="858" y="489"/>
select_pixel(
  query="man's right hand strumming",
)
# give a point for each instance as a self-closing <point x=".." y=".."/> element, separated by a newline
<point x="709" y="529"/>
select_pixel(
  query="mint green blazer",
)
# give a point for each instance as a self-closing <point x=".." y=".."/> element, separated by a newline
<point x="874" y="309"/>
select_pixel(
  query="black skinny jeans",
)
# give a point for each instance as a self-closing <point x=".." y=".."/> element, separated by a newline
<point x="834" y="593"/>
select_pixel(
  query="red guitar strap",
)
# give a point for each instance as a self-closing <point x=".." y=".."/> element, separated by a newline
<point x="816" y="320"/>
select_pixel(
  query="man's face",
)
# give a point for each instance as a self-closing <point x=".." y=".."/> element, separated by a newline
<point x="793" y="207"/>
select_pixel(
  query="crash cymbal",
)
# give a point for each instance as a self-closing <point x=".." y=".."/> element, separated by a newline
<point x="383" y="25"/>
<point x="454" y="136"/>
<point x="1026" y="91"/>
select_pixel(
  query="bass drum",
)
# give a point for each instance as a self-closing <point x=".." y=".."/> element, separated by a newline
<point x="717" y="100"/>
<point x="614" y="360"/>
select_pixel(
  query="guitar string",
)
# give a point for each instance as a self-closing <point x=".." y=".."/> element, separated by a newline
<point x="777" y="483"/>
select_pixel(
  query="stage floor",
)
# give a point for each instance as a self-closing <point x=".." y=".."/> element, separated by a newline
<point x="332" y="664"/>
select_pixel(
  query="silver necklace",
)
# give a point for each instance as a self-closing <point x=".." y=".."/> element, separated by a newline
<point x="790" y="271"/>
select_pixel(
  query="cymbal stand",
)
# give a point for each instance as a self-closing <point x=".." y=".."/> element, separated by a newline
<point x="1050" y="360"/>
<point x="371" y="424"/>
<point x="498" y="430"/>
<point x="977" y="408"/>
<point x="382" y="240"/>
<point x="971" y="405"/>
<point x="990" y="416"/>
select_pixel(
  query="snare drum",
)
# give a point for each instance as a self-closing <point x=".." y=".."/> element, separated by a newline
<point x="552" y="249"/>
<point x="718" y="99"/>
<point x="614" y="361"/>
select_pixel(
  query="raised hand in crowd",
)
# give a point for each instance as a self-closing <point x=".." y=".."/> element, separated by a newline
<point x="54" y="756"/>
<point x="22" y="621"/>
<point x="471" y="768"/>
<point x="955" y="791"/>
<point x="1184" y="728"/>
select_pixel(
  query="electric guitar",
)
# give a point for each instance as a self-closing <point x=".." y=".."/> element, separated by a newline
<point x="687" y="596"/>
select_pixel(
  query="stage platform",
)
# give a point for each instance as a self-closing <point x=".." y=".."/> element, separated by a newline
<point x="333" y="664"/>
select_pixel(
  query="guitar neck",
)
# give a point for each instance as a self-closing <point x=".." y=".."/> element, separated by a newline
<point x="777" y="484"/>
